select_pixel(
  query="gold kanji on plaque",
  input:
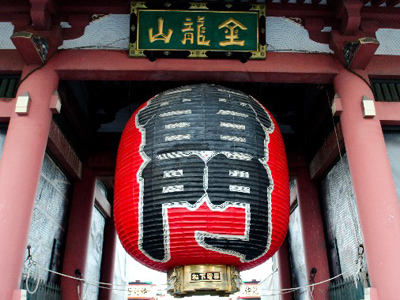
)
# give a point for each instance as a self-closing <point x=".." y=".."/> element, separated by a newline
<point x="188" y="31"/>
<point x="232" y="32"/>
<point x="201" y="30"/>
<point x="160" y="36"/>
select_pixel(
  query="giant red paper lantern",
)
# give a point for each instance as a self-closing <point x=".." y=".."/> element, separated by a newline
<point x="201" y="178"/>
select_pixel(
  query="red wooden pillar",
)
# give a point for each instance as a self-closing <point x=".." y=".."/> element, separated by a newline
<point x="377" y="203"/>
<point x="284" y="271"/>
<point x="78" y="233"/>
<point x="20" y="168"/>
<point x="313" y="234"/>
<point x="108" y="260"/>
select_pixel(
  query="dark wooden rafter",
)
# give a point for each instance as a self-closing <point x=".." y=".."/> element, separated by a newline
<point x="18" y="15"/>
<point x="62" y="150"/>
<point x="385" y="17"/>
<point x="102" y="203"/>
<point x="299" y="10"/>
<point x="103" y="163"/>
<point x="327" y="154"/>
<point x="296" y="161"/>
<point x="391" y="3"/>
<point x="377" y="2"/>
<point x="9" y="10"/>
<point x="92" y="7"/>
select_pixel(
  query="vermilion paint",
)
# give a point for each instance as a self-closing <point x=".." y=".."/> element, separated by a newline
<point x="20" y="168"/>
<point x="377" y="203"/>
<point x="313" y="233"/>
<point x="78" y="233"/>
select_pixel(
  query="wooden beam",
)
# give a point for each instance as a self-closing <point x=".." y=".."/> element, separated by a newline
<point x="103" y="163"/>
<point x="384" y="67"/>
<point x="384" y="17"/>
<point x="116" y="65"/>
<point x="296" y="161"/>
<point x="388" y="113"/>
<point x="10" y="62"/>
<point x="63" y="152"/>
<point x="327" y="154"/>
<point x="7" y="106"/>
<point x="78" y="120"/>
<point x="289" y="67"/>
<point x="102" y="203"/>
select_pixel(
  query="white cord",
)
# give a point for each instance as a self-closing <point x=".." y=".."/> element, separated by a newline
<point x="97" y="283"/>
<point x="103" y="285"/>
<point x="291" y="290"/>
<point x="28" y="275"/>
<point x="311" y="290"/>
<point x="85" y="287"/>
<point x="273" y="272"/>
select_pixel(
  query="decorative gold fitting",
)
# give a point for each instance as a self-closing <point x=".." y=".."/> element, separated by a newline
<point x="198" y="5"/>
<point x="216" y="280"/>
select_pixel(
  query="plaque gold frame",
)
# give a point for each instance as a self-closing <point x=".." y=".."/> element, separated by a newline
<point x="135" y="52"/>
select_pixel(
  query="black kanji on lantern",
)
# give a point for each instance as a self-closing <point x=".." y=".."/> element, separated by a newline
<point x="205" y="142"/>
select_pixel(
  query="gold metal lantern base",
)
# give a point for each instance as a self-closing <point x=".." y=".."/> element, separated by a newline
<point x="216" y="280"/>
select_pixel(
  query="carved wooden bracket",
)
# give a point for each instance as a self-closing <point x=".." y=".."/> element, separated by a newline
<point x="36" y="46"/>
<point x="350" y="16"/>
<point x="354" y="51"/>
<point x="41" y="11"/>
<point x="315" y="28"/>
<point x="78" y="24"/>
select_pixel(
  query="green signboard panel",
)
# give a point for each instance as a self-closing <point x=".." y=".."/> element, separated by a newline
<point x="196" y="31"/>
<point x="206" y="30"/>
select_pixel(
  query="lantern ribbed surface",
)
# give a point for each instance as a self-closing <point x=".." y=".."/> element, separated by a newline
<point x="201" y="178"/>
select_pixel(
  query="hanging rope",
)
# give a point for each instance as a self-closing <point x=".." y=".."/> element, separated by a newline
<point x="31" y="265"/>
<point x="82" y="293"/>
